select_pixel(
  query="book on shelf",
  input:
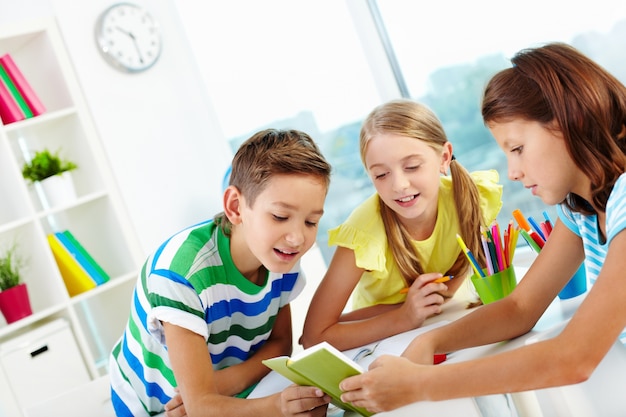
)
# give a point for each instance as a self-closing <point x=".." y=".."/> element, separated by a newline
<point x="23" y="89"/>
<point x="83" y="257"/>
<point x="76" y="279"/>
<point x="15" y="93"/>
<point x="323" y="366"/>
<point x="9" y="110"/>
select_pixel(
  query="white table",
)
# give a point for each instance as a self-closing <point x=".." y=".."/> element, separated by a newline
<point x="466" y="407"/>
<point x="591" y="398"/>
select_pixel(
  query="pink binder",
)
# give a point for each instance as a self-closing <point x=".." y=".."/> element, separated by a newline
<point x="9" y="110"/>
<point x="35" y="105"/>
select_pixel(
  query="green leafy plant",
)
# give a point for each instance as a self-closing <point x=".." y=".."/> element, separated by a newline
<point x="10" y="268"/>
<point x="45" y="164"/>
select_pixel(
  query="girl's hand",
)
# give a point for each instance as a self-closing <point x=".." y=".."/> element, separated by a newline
<point x="175" y="407"/>
<point x="303" y="401"/>
<point x="423" y="299"/>
<point x="390" y="383"/>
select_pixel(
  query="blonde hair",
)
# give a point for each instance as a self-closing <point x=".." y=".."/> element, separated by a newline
<point x="414" y="120"/>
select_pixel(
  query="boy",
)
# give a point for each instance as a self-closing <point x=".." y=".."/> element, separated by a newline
<point x="213" y="300"/>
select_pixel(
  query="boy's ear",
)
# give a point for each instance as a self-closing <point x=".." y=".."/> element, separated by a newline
<point x="232" y="204"/>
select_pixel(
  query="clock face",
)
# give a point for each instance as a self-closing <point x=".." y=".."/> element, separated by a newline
<point x="128" y="37"/>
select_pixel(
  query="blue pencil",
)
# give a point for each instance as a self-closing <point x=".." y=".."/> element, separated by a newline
<point x="470" y="256"/>
<point x="535" y="226"/>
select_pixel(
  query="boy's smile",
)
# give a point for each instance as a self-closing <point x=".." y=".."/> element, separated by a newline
<point x="280" y="226"/>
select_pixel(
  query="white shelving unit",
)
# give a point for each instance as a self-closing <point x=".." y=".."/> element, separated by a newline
<point x="97" y="218"/>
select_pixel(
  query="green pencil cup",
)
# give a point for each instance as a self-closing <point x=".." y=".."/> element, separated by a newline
<point x="494" y="287"/>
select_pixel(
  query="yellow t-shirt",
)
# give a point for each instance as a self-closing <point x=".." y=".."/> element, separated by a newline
<point x="364" y="233"/>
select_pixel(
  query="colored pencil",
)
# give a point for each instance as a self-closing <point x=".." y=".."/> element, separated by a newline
<point x="438" y="280"/>
<point x="470" y="256"/>
<point x="536" y="228"/>
<point x="483" y="239"/>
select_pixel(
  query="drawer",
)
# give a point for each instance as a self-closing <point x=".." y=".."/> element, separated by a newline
<point x="43" y="363"/>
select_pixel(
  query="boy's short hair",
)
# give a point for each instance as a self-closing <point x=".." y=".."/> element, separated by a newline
<point x="271" y="152"/>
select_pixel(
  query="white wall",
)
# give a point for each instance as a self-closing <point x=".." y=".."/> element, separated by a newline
<point x="158" y="128"/>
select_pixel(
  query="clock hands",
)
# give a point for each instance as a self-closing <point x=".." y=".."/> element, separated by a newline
<point x="125" y="32"/>
<point x="134" y="39"/>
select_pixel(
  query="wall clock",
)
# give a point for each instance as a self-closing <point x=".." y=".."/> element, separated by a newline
<point x="128" y="37"/>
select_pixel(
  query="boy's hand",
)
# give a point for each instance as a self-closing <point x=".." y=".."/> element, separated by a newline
<point x="175" y="407"/>
<point x="303" y="401"/>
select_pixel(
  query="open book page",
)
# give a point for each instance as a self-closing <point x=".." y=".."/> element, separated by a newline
<point x="322" y="366"/>
<point x="394" y="345"/>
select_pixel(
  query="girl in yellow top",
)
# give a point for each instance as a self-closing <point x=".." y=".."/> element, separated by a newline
<point x="405" y="234"/>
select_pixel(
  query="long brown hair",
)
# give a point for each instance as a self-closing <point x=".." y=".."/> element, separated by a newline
<point x="414" y="120"/>
<point x="561" y="88"/>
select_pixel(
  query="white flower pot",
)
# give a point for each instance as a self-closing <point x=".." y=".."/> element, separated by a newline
<point x="57" y="190"/>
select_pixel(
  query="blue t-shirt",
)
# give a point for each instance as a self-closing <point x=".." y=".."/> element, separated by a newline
<point x="586" y="226"/>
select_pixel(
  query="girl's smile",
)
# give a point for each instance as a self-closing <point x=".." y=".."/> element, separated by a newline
<point x="405" y="172"/>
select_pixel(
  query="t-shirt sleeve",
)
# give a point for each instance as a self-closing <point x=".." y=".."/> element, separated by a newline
<point x="369" y="251"/>
<point x="166" y="296"/>
<point x="567" y="218"/>
<point x="364" y="233"/>
<point x="616" y="209"/>
<point x="490" y="192"/>
<point x="298" y="286"/>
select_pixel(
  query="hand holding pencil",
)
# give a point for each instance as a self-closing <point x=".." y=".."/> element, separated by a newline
<point x="438" y="280"/>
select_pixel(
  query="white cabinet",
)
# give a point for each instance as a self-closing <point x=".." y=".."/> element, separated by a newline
<point x="97" y="218"/>
<point x="43" y="363"/>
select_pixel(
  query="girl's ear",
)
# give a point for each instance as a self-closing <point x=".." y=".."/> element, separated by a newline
<point x="446" y="158"/>
<point x="232" y="204"/>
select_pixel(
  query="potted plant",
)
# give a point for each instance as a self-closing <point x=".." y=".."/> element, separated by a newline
<point x="14" y="301"/>
<point x="53" y="173"/>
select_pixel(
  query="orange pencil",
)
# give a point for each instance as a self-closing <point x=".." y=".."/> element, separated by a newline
<point x="438" y="280"/>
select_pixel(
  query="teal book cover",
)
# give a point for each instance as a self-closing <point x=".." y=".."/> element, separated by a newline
<point x="83" y="257"/>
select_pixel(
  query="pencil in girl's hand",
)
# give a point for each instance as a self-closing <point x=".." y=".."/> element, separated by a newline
<point x="438" y="280"/>
<point x="470" y="256"/>
<point x="444" y="279"/>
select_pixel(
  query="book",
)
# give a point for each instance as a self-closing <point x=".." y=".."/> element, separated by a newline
<point x="76" y="279"/>
<point x="15" y="93"/>
<point x="83" y="257"/>
<point x="9" y="110"/>
<point x="23" y="86"/>
<point x="323" y="366"/>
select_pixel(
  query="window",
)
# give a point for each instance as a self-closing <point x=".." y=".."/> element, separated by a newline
<point x="316" y="66"/>
<point x="447" y="50"/>
<point x="288" y="64"/>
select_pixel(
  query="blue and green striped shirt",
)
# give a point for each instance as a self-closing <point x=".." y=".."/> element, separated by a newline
<point x="191" y="281"/>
